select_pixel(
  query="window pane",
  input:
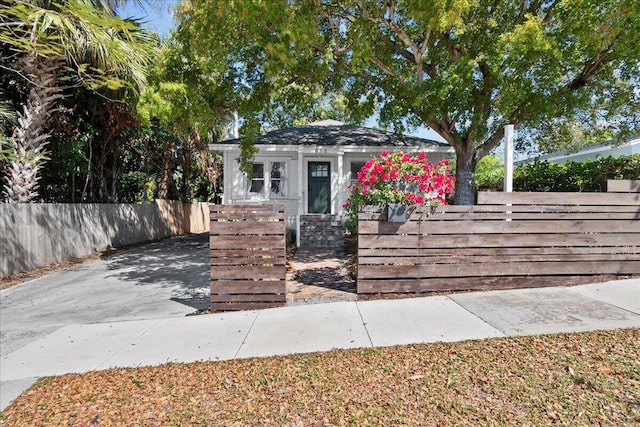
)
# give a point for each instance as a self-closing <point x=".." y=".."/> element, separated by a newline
<point x="319" y="171"/>
<point x="276" y="187"/>
<point x="277" y="170"/>
<point x="355" y="168"/>
<point x="258" y="171"/>
<point x="257" y="183"/>
<point x="256" y="186"/>
<point x="277" y="178"/>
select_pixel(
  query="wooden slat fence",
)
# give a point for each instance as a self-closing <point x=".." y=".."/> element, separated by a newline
<point x="507" y="240"/>
<point x="248" y="257"/>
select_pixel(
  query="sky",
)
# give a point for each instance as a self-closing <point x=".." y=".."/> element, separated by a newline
<point x="158" y="17"/>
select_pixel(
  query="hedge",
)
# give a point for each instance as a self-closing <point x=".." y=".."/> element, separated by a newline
<point x="571" y="176"/>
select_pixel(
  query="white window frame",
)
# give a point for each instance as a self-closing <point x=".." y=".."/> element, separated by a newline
<point x="266" y="193"/>
<point x="249" y="183"/>
<point x="283" y="179"/>
<point x="352" y="177"/>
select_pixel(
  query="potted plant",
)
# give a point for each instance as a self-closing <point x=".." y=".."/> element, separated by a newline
<point x="397" y="181"/>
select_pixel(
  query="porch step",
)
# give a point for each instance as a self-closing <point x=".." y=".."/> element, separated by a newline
<point x="321" y="231"/>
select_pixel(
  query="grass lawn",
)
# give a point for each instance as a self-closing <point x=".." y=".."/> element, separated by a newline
<point x="588" y="379"/>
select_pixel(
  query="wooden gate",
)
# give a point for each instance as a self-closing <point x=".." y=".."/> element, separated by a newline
<point x="248" y="257"/>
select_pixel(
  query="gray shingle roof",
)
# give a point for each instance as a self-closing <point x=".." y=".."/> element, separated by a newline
<point x="333" y="133"/>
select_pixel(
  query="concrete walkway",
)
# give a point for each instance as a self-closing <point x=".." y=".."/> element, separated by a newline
<point x="85" y="346"/>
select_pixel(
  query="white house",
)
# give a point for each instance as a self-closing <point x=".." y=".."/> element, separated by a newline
<point x="308" y="168"/>
<point x="593" y="152"/>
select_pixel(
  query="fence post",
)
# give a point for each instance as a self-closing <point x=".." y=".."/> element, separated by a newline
<point x="508" y="158"/>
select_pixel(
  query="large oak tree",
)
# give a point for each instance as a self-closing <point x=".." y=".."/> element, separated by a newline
<point x="465" y="68"/>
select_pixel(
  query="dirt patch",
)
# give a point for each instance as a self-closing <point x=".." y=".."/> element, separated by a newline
<point x="18" y="278"/>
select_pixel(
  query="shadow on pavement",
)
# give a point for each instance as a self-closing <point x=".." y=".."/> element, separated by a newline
<point x="180" y="262"/>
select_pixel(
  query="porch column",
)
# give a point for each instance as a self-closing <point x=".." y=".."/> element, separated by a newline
<point x="227" y="178"/>
<point x="301" y="181"/>
<point x="341" y="182"/>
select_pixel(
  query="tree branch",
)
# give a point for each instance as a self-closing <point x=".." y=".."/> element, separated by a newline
<point x="384" y="68"/>
<point x="415" y="53"/>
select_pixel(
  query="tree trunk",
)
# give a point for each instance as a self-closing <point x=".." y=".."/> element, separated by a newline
<point x="28" y="145"/>
<point x="465" y="178"/>
<point x="167" y="172"/>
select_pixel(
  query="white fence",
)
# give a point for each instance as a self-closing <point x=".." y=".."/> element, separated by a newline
<point x="39" y="234"/>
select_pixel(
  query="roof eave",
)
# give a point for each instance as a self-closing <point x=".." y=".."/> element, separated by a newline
<point x="314" y="148"/>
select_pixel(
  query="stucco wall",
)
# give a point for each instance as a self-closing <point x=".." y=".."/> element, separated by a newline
<point x="35" y="235"/>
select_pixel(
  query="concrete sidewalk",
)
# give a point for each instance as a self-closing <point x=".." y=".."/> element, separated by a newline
<point x="86" y="347"/>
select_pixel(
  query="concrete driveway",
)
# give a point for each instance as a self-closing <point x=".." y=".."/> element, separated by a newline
<point x="164" y="279"/>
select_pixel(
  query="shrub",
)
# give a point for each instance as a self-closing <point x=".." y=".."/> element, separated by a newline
<point x="575" y="177"/>
<point x="546" y="176"/>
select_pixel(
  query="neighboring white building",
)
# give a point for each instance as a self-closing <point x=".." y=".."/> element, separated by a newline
<point x="308" y="168"/>
<point x="593" y="152"/>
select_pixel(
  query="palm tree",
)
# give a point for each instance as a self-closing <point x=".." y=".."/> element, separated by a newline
<point x="60" y="45"/>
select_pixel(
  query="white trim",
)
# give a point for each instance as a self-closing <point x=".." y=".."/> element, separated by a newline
<point x="339" y="197"/>
<point x="227" y="185"/>
<point x="301" y="193"/>
<point x="333" y="149"/>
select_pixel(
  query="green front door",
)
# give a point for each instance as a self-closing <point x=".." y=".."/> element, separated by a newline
<point x="319" y="187"/>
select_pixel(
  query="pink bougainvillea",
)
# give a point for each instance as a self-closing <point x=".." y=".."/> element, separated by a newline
<point x="400" y="178"/>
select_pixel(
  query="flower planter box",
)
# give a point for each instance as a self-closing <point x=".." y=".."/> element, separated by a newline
<point x="397" y="212"/>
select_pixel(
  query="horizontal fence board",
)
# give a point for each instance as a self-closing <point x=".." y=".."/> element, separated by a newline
<point x="496" y="251"/>
<point x="245" y="228"/>
<point x="384" y="227"/>
<point x="248" y="261"/>
<point x="389" y="271"/>
<point x="552" y="225"/>
<point x="632" y="214"/>
<point x="524" y="198"/>
<point x="250" y="253"/>
<point x="384" y="252"/>
<point x="249" y="298"/>
<point x="451" y="211"/>
<point x="247" y="208"/>
<point x="232" y="287"/>
<point x="523" y="240"/>
<point x="498" y="269"/>
<point x="390" y="260"/>
<point x="623" y="185"/>
<point x="494" y="283"/>
<point x="385" y="286"/>
<point x="231" y="217"/>
<point x="390" y="242"/>
<point x="534" y="226"/>
<point x="248" y="242"/>
<point x="531" y="268"/>
<point x="475" y="259"/>
<point x="247" y="272"/>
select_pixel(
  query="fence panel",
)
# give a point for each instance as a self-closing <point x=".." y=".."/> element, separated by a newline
<point x="248" y="257"/>
<point x="508" y="240"/>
